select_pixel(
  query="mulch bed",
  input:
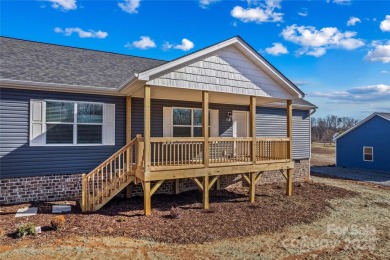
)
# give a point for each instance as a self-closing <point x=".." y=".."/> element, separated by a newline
<point x="230" y="215"/>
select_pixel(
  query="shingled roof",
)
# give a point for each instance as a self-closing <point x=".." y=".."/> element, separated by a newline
<point x="56" y="64"/>
<point x="48" y="63"/>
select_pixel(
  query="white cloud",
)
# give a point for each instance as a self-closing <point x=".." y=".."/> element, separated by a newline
<point x="64" y="4"/>
<point x="206" y="3"/>
<point x="166" y="46"/>
<point x="385" y="24"/>
<point x="303" y="12"/>
<point x="144" y="43"/>
<point x="342" y="2"/>
<point x="315" y="42"/>
<point x="353" y="20"/>
<point x="185" y="45"/>
<point x="379" y="53"/>
<point x="261" y="14"/>
<point x="82" y="34"/>
<point x="130" y="6"/>
<point x="277" y="49"/>
<point x="372" y="93"/>
<point x="384" y="72"/>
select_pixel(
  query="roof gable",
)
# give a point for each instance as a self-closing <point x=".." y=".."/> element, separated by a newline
<point x="385" y="116"/>
<point x="269" y="74"/>
<point x="225" y="70"/>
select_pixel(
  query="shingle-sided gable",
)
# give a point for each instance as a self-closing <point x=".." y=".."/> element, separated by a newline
<point x="47" y="63"/>
<point x="225" y="70"/>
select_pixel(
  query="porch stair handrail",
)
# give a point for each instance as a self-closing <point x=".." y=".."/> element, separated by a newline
<point x="112" y="176"/>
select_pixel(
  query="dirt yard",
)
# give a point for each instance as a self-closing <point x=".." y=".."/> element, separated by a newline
<point x="323" y="155"/>
<point x="324" y="219"/>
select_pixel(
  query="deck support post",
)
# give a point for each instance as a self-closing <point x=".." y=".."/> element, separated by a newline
<point x="177" y="186"/>
<point x="289" y="182"/>
<point x="206" y="192"/>
<point x="84" y="194"/>
<point x="289" y="135"/>
<point x="253" y="127"/>
<point x="147" y="198"/>
<point x="252" y="187"/>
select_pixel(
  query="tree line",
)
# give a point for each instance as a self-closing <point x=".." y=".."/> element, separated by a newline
<point x="324" y="128"/>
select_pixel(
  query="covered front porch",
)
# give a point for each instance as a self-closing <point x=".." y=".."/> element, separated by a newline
<point x="176" y="125"/>
<point x="204" y="159"/>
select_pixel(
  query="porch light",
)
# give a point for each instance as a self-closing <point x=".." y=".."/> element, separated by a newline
<point x="229" y="117"/>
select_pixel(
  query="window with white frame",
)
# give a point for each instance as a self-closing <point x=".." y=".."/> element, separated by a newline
<point x="368" y="153"/>
<point x="71" y="123"/>
<point x="187" y="122"/>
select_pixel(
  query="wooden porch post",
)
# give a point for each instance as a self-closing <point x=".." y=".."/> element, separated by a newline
<point x="128" y="119"/>
<point x="205" y="127"/>
<point x="253" y="127"/>
<point x="147" y="150"/>
<point x="206" y="153"/>
<point x="289" y="135"/>
<point x="252" y="175"/>
<point x="128" y="137"/>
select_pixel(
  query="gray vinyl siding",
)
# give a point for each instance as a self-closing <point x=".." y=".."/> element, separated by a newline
<point x="18" y="159"/>
<point x="270" y="122"/>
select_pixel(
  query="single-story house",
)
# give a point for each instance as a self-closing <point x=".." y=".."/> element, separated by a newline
<point x="84" y="124"/>
<point x="366" y="145"/>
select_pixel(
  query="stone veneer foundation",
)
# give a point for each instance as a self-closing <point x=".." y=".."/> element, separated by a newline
<point x="68" y="186"/>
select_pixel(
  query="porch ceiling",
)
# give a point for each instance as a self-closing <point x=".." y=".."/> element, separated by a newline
<point x="168" y="93"/>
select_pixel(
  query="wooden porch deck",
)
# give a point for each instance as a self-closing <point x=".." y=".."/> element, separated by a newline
<point x="203" y="159"/>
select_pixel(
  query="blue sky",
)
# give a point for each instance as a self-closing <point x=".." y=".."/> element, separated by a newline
<point x="336" y="51"/>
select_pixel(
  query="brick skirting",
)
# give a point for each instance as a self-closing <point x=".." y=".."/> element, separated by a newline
<point x="68" y="186"/>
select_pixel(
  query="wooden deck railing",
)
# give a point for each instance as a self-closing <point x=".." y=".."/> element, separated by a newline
<point x="187" y="152"/>
<point x="105" y="180"/>
<point x="271" y="149"/>
<point x="176" y="152"/>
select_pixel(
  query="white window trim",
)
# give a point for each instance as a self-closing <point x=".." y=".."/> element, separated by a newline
<point x="372" y="154"/>
<point x="44" y="124"/>
<point x="192" y="120"/>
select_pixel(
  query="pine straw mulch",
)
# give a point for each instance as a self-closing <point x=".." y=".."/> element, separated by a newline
<point x="230" y="215"/>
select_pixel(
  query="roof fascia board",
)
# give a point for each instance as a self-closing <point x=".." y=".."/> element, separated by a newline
<point x="146" y="74"/>
<point x="357" y="125"/>
<point x="383" y="117"/>
<point x="57" y="87"/>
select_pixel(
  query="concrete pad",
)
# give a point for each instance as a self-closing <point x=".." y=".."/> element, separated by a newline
<point x="61" y="208"/>
<point x="26" y="212"/>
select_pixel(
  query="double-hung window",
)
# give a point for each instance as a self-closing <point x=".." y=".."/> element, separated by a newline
<point x="368" y="153"/>
<point x="187" y="122"/>
<point x="71" y="123"/>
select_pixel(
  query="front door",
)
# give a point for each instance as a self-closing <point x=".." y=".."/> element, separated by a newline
<point x="240" y="124"/>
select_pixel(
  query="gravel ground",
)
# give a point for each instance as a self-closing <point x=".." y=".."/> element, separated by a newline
<point x="353" y="174"/>
<point x="357" y="227"/>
